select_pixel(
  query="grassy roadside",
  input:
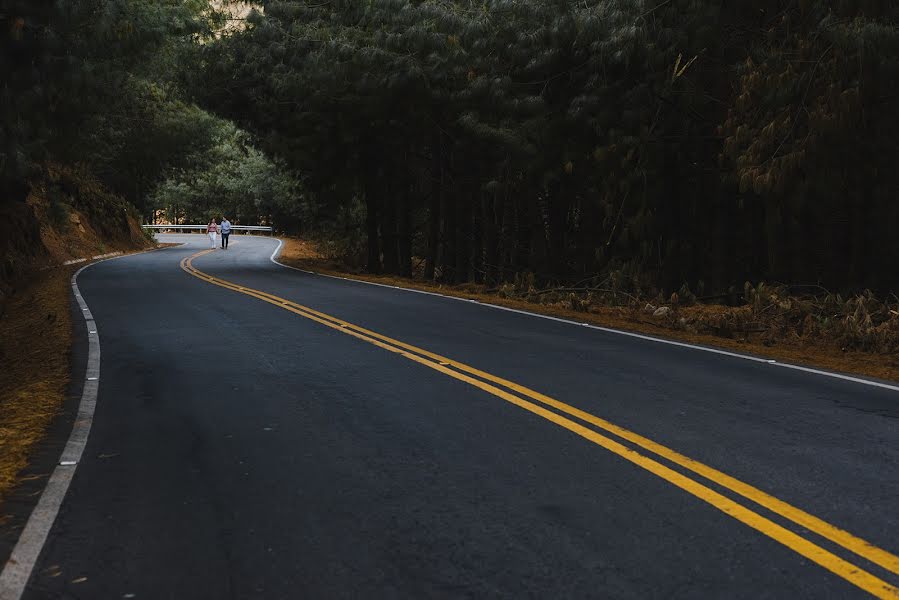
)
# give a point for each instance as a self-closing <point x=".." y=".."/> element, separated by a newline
<point x="35" y="344"/>
<point x="812" y="349"/>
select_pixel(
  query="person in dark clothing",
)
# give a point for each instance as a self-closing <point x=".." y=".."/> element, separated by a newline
<point x="225" y="229"/>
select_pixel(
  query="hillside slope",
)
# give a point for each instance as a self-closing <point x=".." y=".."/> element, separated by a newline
<point x="68" y="216"/>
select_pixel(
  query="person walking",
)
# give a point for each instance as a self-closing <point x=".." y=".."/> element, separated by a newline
<point x="212" y="230"/>
<point x="225" y="229"/>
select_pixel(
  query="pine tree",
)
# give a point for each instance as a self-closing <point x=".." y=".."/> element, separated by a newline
<point x="661" y="143"/>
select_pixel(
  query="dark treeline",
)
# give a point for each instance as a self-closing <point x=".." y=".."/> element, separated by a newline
<point x="96" y="89"/>
<point x="77" y="87"/>
<point x="659" y="142"/>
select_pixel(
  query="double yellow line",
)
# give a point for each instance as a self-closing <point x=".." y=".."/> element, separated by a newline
<point x="540" y="405"/>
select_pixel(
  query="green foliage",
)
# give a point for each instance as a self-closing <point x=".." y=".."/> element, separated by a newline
<point x="661" y="144"/>
<point x="149" y="235"/>
<point x="679" y="141"/>
<point x="58" y="211"/>
<point x="229" y="178"/>
<point x="101" y="84"/>
<point x="66" y="64"/>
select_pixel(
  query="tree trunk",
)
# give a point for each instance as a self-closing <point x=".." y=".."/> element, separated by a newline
<point x="373" y="263"/>
<point x="404" y="232"/>
<point x="477" y="234"/>
<point x="491" y="203"/>
<point x="557" y="210"/>
<point x="521" y="255"/>
<point x="463" y="235"/>
<point x="773" y="229"/>
<point x="449" y="254"/>
<point x="388" y="226"/>
<point x="435" y="203"/>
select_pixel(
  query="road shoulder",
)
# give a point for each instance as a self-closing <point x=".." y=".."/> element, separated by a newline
<point x="43" y="433"/>
<point x="301" y="255"/>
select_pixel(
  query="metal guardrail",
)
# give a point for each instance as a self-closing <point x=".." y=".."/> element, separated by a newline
<point x="182" y="228"/>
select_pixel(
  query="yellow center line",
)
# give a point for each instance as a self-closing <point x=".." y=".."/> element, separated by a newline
<point x="824" y="558"/>
<point x="839" y="536"/>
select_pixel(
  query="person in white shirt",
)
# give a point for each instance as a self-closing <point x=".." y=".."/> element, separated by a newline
<point x="212" y="229"/>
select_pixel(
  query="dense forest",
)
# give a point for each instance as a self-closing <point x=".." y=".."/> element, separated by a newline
<point x="92" y="90"/>
<point x="659" y="143"/>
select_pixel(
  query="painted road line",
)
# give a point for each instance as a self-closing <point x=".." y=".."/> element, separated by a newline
<point x="639" y="336"/>
<point x="824" y="558"/>
<point x="835" y="534"/>
<point x="17" y="570"/>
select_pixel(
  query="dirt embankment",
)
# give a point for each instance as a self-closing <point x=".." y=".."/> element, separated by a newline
<point x="857" y="335"/>
<point x="68" y="216"/>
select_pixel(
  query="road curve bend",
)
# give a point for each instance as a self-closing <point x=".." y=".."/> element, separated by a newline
<point x="261" y="432"/>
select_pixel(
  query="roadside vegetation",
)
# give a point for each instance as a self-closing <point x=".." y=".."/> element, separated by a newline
<point x="667" y="144"/>
<point x="660" y="144"/>
<point x="858" y="334"/>
<point x="35" y="341"/>
<point x="695" y="168"/>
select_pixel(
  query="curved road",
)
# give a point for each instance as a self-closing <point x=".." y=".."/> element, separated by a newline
<point x="262" y="432"/>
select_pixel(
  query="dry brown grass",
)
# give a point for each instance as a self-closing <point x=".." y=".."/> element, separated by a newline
<point x="35" y="341"/>
<point x="749" y="329"/>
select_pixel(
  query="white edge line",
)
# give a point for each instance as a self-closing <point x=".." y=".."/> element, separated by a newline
<point x="17" y="570"/>
<point x="631" y="334"/>
<point x="107" y="255"/>
<point x="76" y="261"/>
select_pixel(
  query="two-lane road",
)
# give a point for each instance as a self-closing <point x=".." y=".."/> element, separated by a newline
<point x="263" y="432"/>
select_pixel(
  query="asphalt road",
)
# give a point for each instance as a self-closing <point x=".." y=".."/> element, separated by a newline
<point x="243" y="450"/>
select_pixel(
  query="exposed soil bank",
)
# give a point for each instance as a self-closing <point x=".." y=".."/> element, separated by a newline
<point x="68" y="216"/>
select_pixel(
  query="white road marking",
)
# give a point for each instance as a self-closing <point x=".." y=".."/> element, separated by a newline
<point x="648" y="338"/>
<point x="17" y="570"/>
<point x="75" y="261"/>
